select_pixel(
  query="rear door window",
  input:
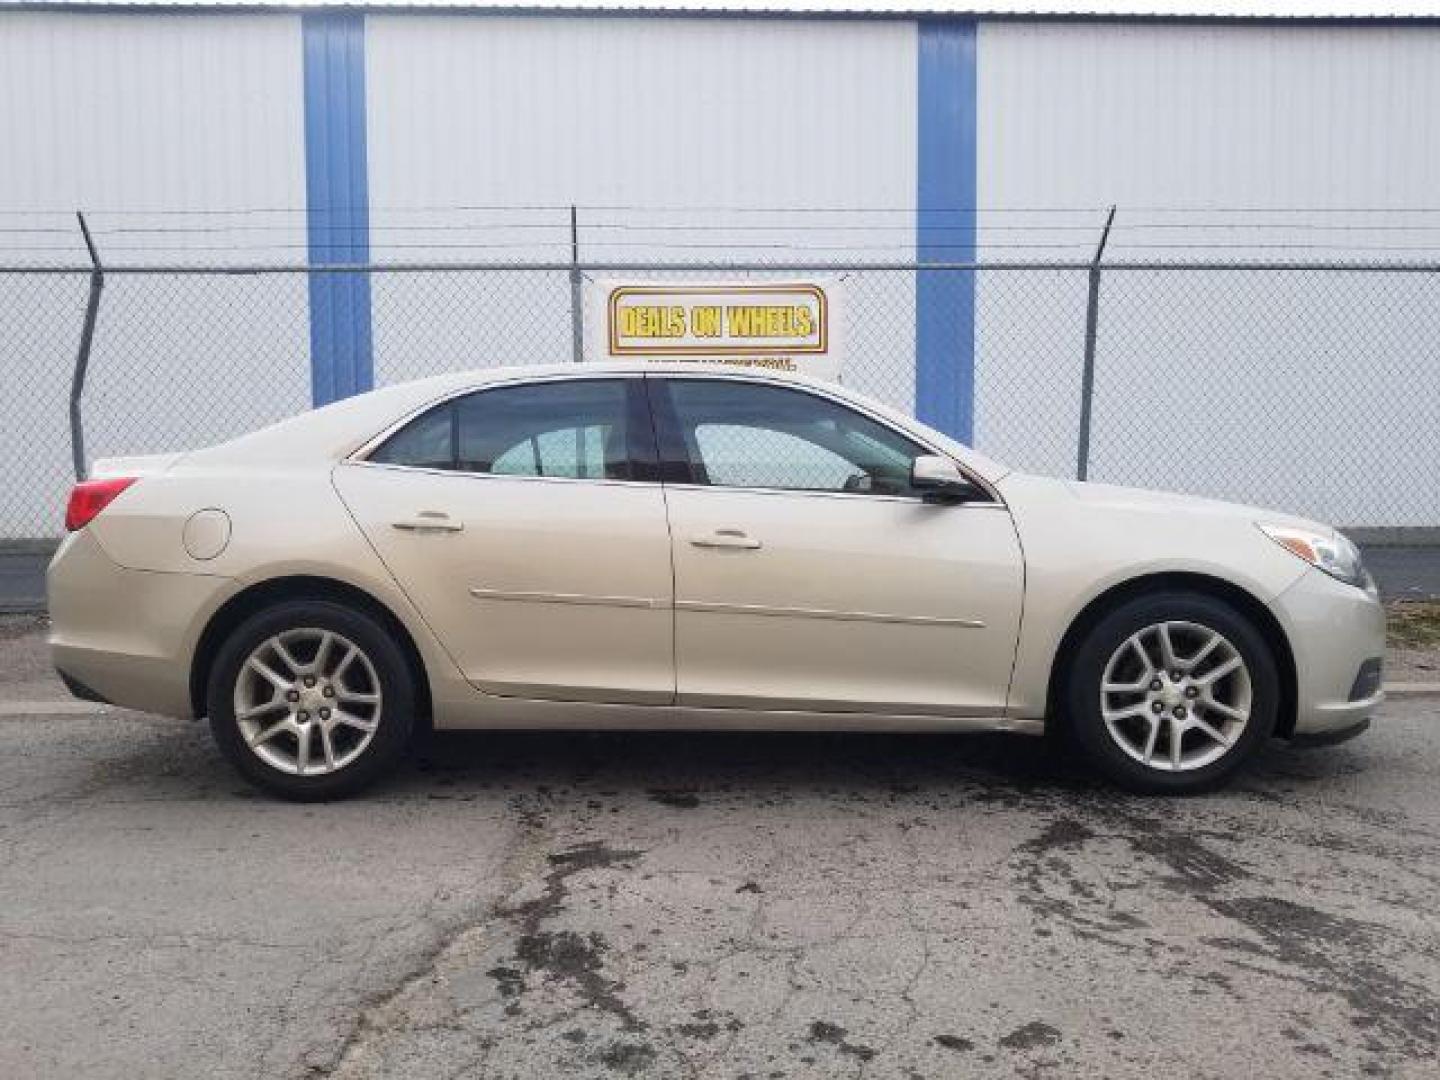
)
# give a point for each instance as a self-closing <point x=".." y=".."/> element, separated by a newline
<point x="572" y="428"/>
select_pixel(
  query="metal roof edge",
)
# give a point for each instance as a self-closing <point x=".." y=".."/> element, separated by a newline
<point x="1428" y="14"/>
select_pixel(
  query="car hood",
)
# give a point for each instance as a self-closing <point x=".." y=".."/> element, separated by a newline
<point x="1114" y="496"/>
<point x="1101" y="535"/>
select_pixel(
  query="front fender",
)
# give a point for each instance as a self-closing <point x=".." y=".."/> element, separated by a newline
<point x="1078" y="551"/>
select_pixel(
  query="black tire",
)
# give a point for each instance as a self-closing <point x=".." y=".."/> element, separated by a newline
<point x="1085" y="724"/>
<point x="395" y="716"/>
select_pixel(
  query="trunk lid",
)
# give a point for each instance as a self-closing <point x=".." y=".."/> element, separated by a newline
<point x="133" y="465"/>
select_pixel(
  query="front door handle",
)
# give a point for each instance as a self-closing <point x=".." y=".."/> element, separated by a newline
<point x="428" y="521"/>
<point x="726" y="538"/>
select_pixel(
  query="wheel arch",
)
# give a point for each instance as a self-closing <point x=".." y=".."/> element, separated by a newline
<point x="264" y="594"/>
<point x="1245" y="602"/>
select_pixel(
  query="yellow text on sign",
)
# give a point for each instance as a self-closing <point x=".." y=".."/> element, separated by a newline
<point x="740" y="321"/>
<point x="770" y="321"/>
<point x="652" y="321"/>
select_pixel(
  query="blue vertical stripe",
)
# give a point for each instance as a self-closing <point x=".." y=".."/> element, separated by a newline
<point x="337" y="204"/>
<point x="945" y="227"/>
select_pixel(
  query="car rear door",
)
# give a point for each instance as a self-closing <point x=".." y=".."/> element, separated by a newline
<point x="520" y="522"/>
<point x="809" y="576"/>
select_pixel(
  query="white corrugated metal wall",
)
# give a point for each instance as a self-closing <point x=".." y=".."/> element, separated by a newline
<point x="691" y="123"/>
<point x="1186" y="115"/>
<point x="133" y="119"/>
<point x="626" y="117"/>
<point x="1294" y="390"/>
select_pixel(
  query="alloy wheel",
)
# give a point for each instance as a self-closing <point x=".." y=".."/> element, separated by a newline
<point x="307" y="701"/>
<point x="1176" y="696"/>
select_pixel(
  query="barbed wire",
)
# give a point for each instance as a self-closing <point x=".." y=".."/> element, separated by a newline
<point x="608" y="226"/>
<point x="332" y="234"/>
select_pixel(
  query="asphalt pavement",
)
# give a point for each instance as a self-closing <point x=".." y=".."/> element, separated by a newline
<point x="684" y="905"/>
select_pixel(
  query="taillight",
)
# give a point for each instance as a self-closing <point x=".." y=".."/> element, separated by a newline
<point x="89" y="497"/>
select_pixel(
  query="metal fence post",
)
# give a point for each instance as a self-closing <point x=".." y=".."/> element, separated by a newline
<point x="82" y="356"/>
<point x="1087" y="378"/>
<point x="577" y="301"/>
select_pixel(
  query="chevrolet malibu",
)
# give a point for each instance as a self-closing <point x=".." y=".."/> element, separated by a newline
<point x="665" y="547"/>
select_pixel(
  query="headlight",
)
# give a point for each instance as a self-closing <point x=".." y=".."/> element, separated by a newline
<point x="1329" y="552"/>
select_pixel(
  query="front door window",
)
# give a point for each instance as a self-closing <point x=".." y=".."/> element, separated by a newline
<point x="746" y="435"/>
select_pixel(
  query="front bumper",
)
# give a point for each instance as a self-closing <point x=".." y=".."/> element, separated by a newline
<point x="125" y="636"/>
<point x="1318" y="739"/>
<point x="1334" y="631"/>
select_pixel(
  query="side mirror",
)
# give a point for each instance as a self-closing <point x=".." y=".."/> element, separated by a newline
<point x="941" y="480"/>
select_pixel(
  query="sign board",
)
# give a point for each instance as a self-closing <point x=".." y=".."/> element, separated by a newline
<point x="771" y="325"/>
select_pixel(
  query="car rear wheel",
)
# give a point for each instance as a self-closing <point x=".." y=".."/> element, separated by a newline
<point x="311" y="700"/>
<point x="1172" y="692"/>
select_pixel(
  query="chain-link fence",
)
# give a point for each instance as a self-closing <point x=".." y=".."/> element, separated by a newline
<point x="1308" y="388"/>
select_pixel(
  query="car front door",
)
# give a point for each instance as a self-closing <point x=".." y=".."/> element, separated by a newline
<point x="809" y="575"/>
<point x="518" y="521"/>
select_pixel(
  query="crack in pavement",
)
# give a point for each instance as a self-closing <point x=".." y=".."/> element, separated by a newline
<point x="373" y="1022"/>
<point x="564" y="955"/>
<point x="1329" y="953"/>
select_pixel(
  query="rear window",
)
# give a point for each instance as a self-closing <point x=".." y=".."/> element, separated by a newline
<point x="576" y="429"/>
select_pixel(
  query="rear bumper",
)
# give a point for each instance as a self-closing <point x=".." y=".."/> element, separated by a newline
<point x="125" y="636"/>
<point x="1336" y="632"/>
<point x="79" y="689"/>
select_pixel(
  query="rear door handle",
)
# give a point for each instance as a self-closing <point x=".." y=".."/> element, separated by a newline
<point x="726" y="538"/>
<point x="429" y="521"/>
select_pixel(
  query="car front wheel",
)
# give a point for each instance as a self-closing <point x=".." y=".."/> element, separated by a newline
<point x="1172" y="692"/>
<point x="311" y="700"/>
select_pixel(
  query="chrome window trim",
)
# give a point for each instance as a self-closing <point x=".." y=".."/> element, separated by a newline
<point x="792" y="492"/>
<point x="512" y="477"/>
<point x="851" y="496"/>
<point x="360" y="456"/>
